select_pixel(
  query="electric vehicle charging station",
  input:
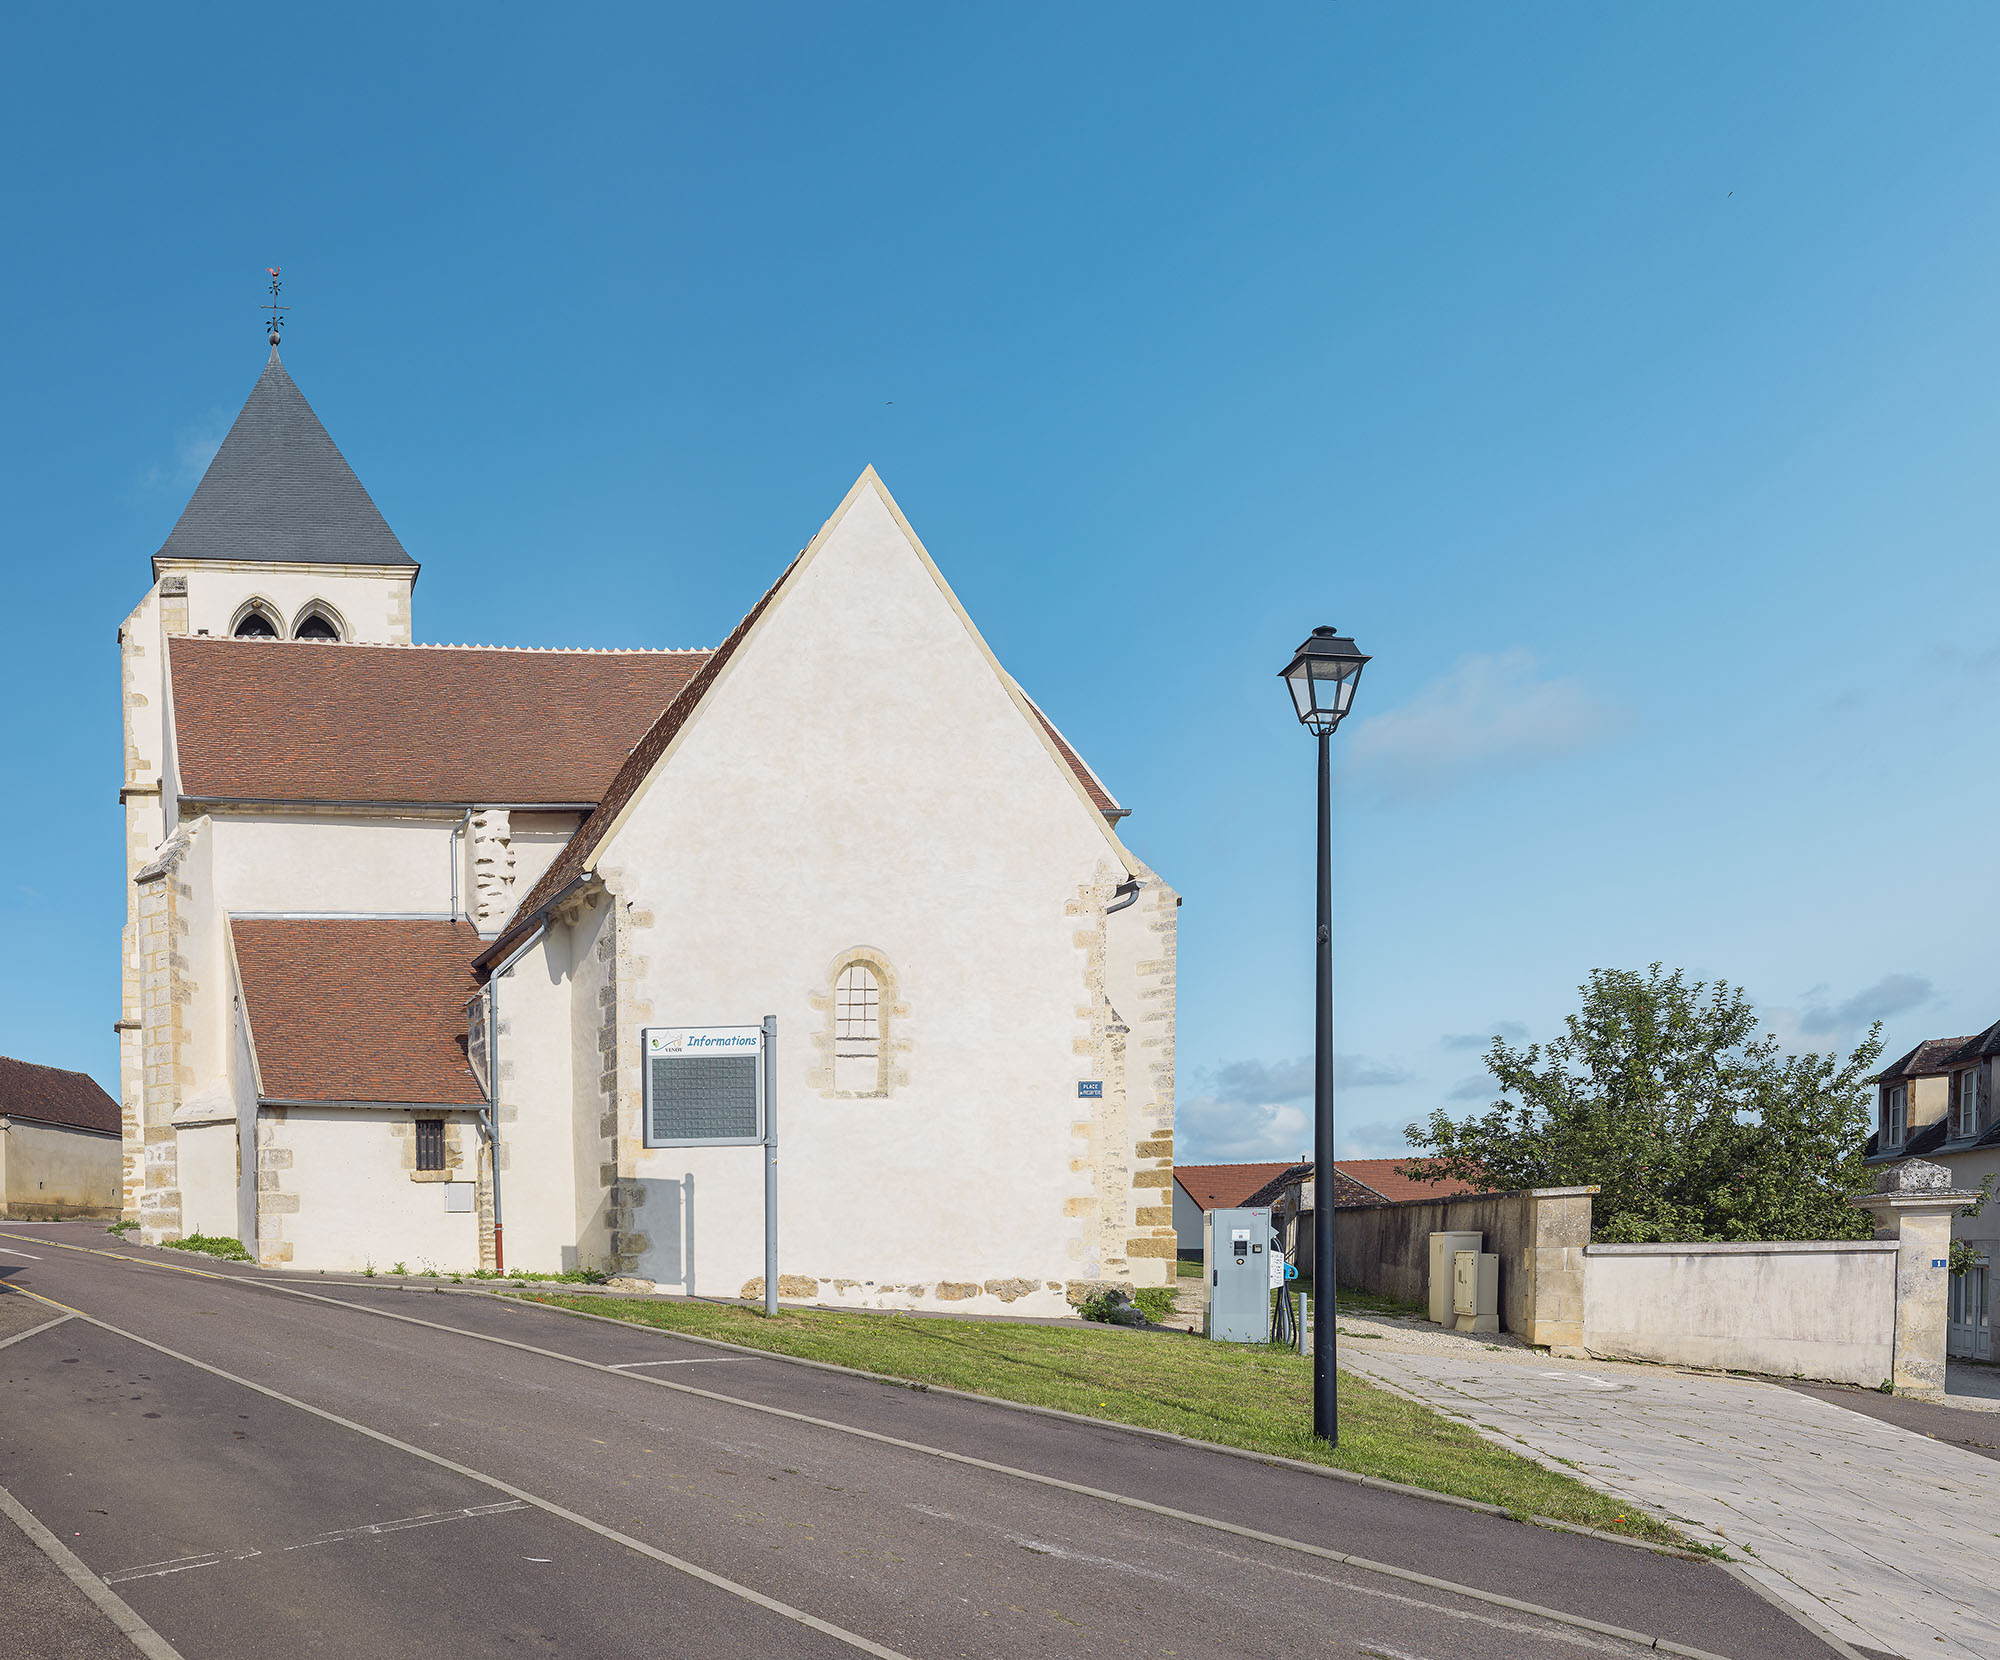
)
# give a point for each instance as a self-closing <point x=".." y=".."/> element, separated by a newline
<point x="1237" y="1274"/>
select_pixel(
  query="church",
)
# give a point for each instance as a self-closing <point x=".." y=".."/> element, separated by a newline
<point x="460" y="958"/>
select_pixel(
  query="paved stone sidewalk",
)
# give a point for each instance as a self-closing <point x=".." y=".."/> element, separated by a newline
<point x="1886" y="1538"/>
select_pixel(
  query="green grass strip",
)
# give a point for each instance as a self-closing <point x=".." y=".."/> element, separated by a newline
<point x="1257" y="1398"/>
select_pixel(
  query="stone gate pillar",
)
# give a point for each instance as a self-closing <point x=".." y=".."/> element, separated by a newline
<point x="1913" y="1204"/>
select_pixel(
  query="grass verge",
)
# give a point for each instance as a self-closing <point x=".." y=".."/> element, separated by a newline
<point x="1256" y="1398"/>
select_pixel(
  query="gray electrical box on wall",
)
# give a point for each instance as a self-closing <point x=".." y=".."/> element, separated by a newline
<point x="1236" y="1274"/>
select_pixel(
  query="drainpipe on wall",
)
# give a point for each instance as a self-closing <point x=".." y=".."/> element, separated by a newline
<point x="1130" y="890"/>
<point x="458" y="830"/>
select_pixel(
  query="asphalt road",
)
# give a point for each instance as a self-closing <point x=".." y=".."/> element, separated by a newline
<point x="262" y="1473"/>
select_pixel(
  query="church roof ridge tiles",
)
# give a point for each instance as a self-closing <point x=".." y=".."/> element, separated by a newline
<point x="456" y="645"/>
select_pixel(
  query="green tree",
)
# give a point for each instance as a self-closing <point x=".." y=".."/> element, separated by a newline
<point x="1667" y="1097"/>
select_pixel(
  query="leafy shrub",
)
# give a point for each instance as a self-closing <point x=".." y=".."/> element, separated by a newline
<point x="229" y="1250"/>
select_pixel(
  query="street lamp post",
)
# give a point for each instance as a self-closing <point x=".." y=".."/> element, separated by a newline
<point x="1322" y="676"/>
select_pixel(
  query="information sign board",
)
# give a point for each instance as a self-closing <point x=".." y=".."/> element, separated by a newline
<point x="704" y="1086"/>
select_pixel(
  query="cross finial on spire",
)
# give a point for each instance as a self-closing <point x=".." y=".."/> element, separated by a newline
<point x="277" y="311"/>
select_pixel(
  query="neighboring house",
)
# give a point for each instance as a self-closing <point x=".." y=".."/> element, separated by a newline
<point x="1199" y="1188"/>
<point x="1938" y="1103"/>
<point x="1292" y="1193"/>
<point x="59" y="1144"/>
<point x="402" y="915"/>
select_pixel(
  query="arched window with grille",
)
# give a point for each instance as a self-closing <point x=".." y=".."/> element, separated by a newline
<point x="857" y="1031"/>
<point x="318" y="622"/>
<point x="256" y="621"/>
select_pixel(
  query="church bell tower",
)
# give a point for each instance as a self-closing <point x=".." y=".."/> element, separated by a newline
<point x="280" y="541"/>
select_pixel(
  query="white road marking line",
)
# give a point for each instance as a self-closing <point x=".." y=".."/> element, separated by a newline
<point x="23" y="1336"/>
<point x="679" y="1565"/>
<point x="1042" y="1547"/>
<point x="30" y="1255"/>
<point x="1388" y="1570"/>
<point x="627" y="1365"/>
<point x="209" y="1559"/>
<point x="336" y="1535"/>
<point x="179" y="1565"/>
<point x="107" y="1601"/>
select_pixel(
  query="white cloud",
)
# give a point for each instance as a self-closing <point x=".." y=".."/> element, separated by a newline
<point x="1889" y="996"/>
<point x="1491" y="710"/>
<point x="194" y="449"/>
<point x="1512" y="1030"/>
<point x="1381" y="1139"/>
<point x="1251" y="1110"/>
<point x="1481" y="1088"/>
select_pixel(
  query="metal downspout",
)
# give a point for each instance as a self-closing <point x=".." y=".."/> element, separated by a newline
<point x="458" y="830"/>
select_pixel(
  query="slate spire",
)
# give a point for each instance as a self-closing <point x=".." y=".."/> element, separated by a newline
<point x="279" y="490"/>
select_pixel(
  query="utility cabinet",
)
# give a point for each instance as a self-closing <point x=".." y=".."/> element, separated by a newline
<point x="1236" y="1274"/>
<point x="1475" y="1290"/>
<point x="1445" y="1246"/>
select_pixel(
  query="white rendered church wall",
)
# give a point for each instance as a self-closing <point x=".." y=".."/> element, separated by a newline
<point x="243" y="1094"/>
<point x="590" y="965"/>
<point x="207" y="1164"/>
<point x="537" y="1140"/>
<point x="354" y="1202"/>
<point x="370" y="603"/>
<point x="205" y="976"/>
<point x="326" y="863"/>
<point x="861" y="778"/>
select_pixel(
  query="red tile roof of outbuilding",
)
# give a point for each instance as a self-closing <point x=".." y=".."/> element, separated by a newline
<point x="51" y="1095"/>
<point x="311" y="721"/>
<point x="1225" y="1186"/>
<point x="1383" y="1175"/>
<point x="352" y="1009"/>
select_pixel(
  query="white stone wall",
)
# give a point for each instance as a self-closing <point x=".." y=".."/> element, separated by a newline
<point x="52" y="1170"/>
<point x="372" y="602"/>
<point x="340" y="1191"/>
<point x="288" y="862"/>
<point x="862" y="777"/>
<point x="1812" y="1309"/>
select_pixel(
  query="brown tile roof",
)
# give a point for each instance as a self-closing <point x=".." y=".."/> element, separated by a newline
<point x="1098" y="794"/>
<point x="1930" y="1058"/>
<point x="1386" y="1178"/>
<point x="1351" y="1192"/>
<point x="352" y="1009"/>
<point x="1225" y="1186"/>
<point x="569" y="864"/>
<point x="50" y="1095"/>
<point x="304" y="720"/>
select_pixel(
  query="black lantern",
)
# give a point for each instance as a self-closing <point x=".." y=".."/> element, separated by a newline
<point x="1323" y="676"/>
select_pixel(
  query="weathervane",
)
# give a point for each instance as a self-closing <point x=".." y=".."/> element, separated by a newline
<point x="277" y="311"/>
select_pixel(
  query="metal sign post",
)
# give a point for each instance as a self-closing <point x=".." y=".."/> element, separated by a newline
<point x="770" y="1164"/>
<point x="717" y="1086"/>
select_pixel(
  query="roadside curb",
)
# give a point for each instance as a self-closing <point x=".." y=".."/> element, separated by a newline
<point x="107" y="1601"/>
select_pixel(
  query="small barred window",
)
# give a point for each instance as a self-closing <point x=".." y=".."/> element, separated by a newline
<point x="430" y="1143"/>
<point x="857" y="1031"/>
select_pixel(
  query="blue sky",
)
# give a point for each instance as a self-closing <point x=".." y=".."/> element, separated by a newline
<point x="1623" y="378"/>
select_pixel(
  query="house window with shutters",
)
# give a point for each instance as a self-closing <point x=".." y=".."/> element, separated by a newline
<point x="430" y="1143"/>
<point x="1895" y="1109"/>
<point x="1969" y="1112"/>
